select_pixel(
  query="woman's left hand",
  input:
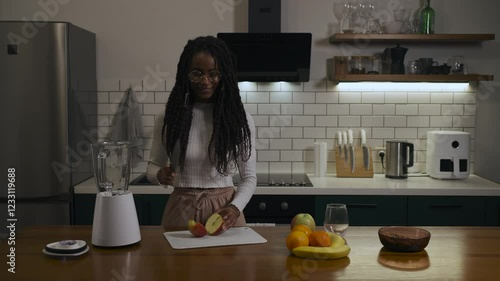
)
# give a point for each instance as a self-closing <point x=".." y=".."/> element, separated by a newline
<point x="230" y="215"/>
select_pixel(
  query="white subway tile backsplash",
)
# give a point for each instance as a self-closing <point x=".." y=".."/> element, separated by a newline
<point x="261" y="120"/>
<point x="148" y="120"/>
<point x="107" y="108"/>
<point x="268" y="86"/>
<point x="406" y="133"/>
<point x="429" y="109"/>
<point x="280" y="167"/>
<point x="441" y="121"/>
<point x="470" y="109"/>
<point x="170" y="82"/>
<point x="395" y="121"/>
<point x="293" y="109"/>
<point x="373" y="97"/>
<point x="419" y="97"/>
<point x="116" y="97"/>
<point x="464" y="121"/>
<point x="349" y="121"/>
<point x="326" y="121"/>
<point x="154" y="85"/>
<point x="316" y="86"/>
<point x="303" y="97"/>
<point x="145" y="97"/>
<point x="127" y="83"/>
<point x="153" y="109"/>
<point x="269" y="109"/>
<point x="418" y="121"/>
<point x="148" y="132"/>
<point x="316" y="132"/>
<point x="298" y="167"/>
<point x="103" y="121"/>
<point x="269" y="132"/>
<point x="262" y="144"/>
<point x="383" y="133"/>
<point x="372" y="121"/>
<point x="315" y="109"/>
<point x="281" y="97"/>
<point x="384" y="109"/>
<point x="108" y="85"/>
<point x="422" y="132"/>
<point x="337" y="109"/>
<point x="257" y="97"/>
<point x="251" y="108"/>
<point x="291" y="86"/>
<point x="301" y="144"/>
<point x="442" y="97"/>
<point x="396" y="97"/>
<point x="327" y="97"/>
<point x="291" y="132"/>
<point x="161" y="97"/>
<point x="350" y="97"/>
<point x="247" y="86"/>
<point x="262" y="167"/>
<point x="453" y="109"/>
<point x="361" y="109"/>
<point x="406" y="109"/>
<point x="465" y="98"/>
<point x="102" y="97"/>
<point x="302" y="121"/>
<point x="268" y="155"/>
<point x="243" y="96"/>
<point x="291" y="155"/>
<point x="331" y="133"/>
<point x="280" y="120"/>
<point x="279" y="144"/>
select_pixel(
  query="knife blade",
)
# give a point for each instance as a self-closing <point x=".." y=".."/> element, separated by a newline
<point x="351" y="150"/>
<point x="339" y="137"/>
<point x="366" y="153"/>
<point x="346" y="156"/>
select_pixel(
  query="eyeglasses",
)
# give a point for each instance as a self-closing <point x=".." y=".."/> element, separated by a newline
<point x="196" y="76"/>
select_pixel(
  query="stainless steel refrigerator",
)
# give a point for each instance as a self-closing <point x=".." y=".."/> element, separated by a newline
<point x="48" y="119"/>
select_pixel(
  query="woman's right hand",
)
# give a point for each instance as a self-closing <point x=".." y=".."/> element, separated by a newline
<point x="165" y="176"/>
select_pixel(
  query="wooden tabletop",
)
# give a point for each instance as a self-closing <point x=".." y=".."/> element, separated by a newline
<point x="454" y="253"/>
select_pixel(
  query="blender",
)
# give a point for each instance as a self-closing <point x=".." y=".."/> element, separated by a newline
<point x="115" y="216"/>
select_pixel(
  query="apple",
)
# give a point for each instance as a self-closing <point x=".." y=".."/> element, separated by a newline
<point x="196" y="228"/>
<point x="214" y="224"/>
<point x="303" y="218"/>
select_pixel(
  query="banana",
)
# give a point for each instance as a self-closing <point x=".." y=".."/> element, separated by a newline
<point x="322" y="253"/>
<point x="338" y="249"/>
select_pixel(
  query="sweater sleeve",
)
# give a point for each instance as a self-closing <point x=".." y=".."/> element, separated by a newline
<point x="158" y="155"/>
<point x="247" y="169"/>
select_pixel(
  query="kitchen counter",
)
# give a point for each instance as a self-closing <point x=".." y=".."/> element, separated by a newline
<point x="454" y="253"/>
<point x="331" y="185"/>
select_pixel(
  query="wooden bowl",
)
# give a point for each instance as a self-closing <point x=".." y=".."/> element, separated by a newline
<point x="404" y="239"/>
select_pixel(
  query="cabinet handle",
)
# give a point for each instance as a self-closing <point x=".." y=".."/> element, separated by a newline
<point x="362" y="206"/>
<point x="262" y="206"/>
<point x="284" y="206"/>
<point x="446" y="206"/>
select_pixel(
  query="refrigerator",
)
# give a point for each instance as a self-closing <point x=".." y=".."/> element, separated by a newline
<point x="48" y="119"/>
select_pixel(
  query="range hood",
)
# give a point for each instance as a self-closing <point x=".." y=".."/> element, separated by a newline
<point x="265" y="54"/>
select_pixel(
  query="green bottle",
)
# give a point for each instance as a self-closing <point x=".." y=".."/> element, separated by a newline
<point x="427" y="19"/>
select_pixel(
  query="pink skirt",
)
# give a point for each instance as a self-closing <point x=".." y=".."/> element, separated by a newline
<point x="197" y="204"/>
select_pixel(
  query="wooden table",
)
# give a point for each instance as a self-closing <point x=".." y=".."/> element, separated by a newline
<point x="454" y="253"/>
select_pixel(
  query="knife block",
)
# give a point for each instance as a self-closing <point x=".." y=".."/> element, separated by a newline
<point x="344" y="170"/>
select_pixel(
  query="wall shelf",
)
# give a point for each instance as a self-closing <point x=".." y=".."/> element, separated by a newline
<point x="407" y="38"/>
<point x="410" y="78"/>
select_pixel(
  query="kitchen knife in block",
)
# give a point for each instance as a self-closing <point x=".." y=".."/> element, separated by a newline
<point x="344" y="138"/>
<point x="345" y="171"/>
<point x="351" y="150"/>
<point x="339" y="138"/>
<point x="366" y="153"/>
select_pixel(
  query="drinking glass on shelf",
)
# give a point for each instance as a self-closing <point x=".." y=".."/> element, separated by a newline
<point x="336" y="218"/>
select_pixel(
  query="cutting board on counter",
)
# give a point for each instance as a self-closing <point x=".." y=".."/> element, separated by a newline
<point x="233" y="236"/>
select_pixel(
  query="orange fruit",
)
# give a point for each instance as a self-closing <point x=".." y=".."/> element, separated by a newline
<point x="296" y="239"/>
<point x="304" y="228"/>
<point x="319" y="239"/>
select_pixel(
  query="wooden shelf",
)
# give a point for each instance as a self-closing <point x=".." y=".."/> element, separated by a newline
<point x="410" y="78"/>
<point x="406" y="38"/>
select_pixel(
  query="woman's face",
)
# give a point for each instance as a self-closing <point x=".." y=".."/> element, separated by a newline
<point x="203" y="77"/>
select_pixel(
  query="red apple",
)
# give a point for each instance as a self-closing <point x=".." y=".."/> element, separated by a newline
<point x="303" y="218"/>
<point x="196" y="228"/>
<point x="214" y="224"/>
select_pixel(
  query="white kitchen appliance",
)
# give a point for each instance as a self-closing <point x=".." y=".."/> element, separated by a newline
<point x="448" y="154"/>
<point x="115" y="217"/>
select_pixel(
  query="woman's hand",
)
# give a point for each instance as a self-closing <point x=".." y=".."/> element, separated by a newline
<point x="165" y="176"/>
<point x="230" y="215"/>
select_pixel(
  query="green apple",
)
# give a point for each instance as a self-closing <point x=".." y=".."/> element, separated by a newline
<point x="196" y="228"/>
<point x="214" y="224"/>
<point x="303" y="218"/>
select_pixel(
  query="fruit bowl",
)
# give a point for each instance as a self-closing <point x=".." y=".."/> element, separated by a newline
<point x="404" y="239"/>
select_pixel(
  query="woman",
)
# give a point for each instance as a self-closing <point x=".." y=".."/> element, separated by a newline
<point x="208" y="136"/>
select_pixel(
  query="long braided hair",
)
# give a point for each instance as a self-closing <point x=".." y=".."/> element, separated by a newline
<point x="231" y="135"/>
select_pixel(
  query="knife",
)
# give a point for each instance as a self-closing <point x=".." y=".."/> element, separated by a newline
<point x="366" y="153"/>
<point x="351" y="150"/>
<point x="339" y="137"/>
<point x="344" y="136"/>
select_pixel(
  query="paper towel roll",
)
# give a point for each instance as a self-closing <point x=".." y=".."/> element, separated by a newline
<point x="320" y="155"/>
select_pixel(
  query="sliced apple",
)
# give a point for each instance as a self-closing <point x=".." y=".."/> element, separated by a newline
<point x="196" y="228"/>
<point x="214" y="224"/>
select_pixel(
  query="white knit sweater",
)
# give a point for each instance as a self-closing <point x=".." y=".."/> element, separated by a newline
<point x="198" y="171"/>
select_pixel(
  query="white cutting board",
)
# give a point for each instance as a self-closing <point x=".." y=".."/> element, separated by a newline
<point x="233" y="236"/>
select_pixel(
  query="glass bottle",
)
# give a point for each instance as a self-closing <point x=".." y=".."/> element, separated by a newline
<point x="427" y="19"/>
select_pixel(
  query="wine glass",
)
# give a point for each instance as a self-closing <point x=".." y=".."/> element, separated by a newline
<point x="336" y="218"/>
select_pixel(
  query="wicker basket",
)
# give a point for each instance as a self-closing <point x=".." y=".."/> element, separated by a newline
<point x="404" y="239"/>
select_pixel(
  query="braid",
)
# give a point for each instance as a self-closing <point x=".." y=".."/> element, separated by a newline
<point x="231" y="135"/>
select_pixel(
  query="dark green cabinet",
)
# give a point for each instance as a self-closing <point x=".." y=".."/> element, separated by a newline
<point x="446" y="210"/>
<point x="493" y="211"/>
<point x="366" y="210"/>
<point x="149" y="208"/>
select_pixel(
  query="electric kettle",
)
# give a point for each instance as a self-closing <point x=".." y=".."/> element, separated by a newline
<point x="399" y="158"/>
<point x="115" y="217"/>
